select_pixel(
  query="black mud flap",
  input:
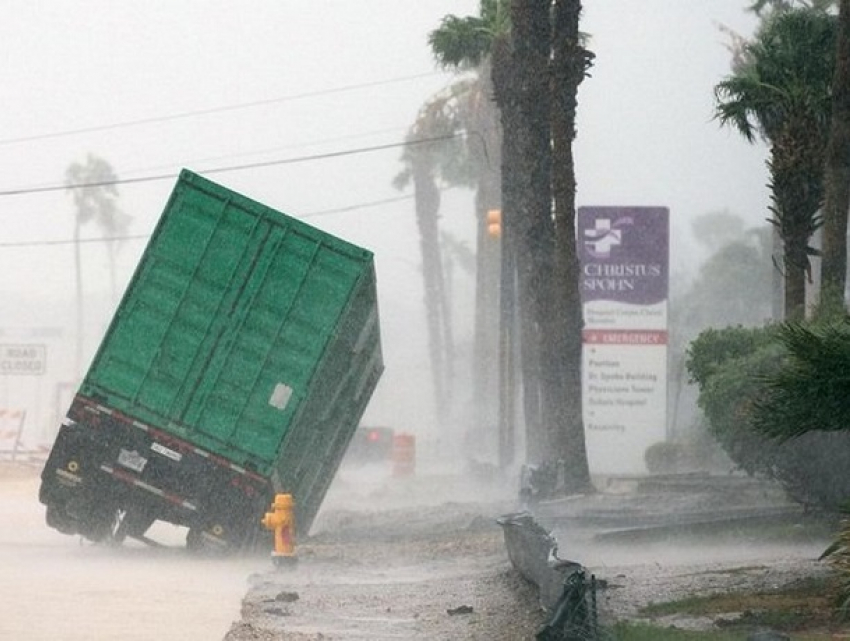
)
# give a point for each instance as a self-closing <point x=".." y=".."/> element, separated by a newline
<point x="76" y="493"/>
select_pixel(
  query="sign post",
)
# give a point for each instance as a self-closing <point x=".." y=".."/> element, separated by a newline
<point x="624" y="253"/>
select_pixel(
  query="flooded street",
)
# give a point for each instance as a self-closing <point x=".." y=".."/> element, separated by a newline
<point x="389" y="558"/>
<point x="52" y="586"/>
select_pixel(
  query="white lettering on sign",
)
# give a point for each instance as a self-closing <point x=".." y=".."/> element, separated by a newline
<point x="23" y="360"/>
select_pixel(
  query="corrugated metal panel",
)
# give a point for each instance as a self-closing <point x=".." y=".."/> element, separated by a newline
<point x="246" y="332"/>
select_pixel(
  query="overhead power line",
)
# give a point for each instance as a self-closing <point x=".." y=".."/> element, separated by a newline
<point x="340" y="210"/>
<point x="46" y="243"/>
<point x="312" y="214"/>
<point x="229" y="168"/>
<point x="323" y="212"/>
<point x="212" y="110"/>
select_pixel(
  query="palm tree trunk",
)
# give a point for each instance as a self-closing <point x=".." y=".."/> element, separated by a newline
<point x="534" y="241"/>
<point x="796" y="173"/>
<point x="795" y="286"/>
<point x="837" y="175"/>
<point x="504" y="78"/>
<point x="569" y="64"/>
<point x="427" y="203"/>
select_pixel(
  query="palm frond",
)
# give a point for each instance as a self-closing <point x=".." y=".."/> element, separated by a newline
<point x="460" y="43"/>
<point x="811" y="391"/>
<point x="463" y="43"/>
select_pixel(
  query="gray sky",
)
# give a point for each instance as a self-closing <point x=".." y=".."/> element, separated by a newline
<point x="318" y="77"/>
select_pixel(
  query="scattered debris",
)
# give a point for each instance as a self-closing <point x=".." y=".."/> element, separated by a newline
<point x="278" y="612"/>
<point x="565" y="592"/>
<point x="245" y="631"/>
<point x="461" y="609"/>
<point x="531" y="550"/>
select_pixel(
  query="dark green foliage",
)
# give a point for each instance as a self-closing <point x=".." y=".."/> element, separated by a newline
<point x="728" y="391"/>
<point x="733" y="368"/>
<point x="814" y="469"/>
<point x="713" y="348"/>
<point x="781" y="91"/>
<point x="786" y="74"/>
<point x="760" y="6"/>
<point x="464" y="42"/>
<point x="666" y="457"/>
<point x="812" y="389"/>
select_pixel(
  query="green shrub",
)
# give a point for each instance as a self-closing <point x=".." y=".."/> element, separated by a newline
<point x="728" y="365"/>
<point x="732" y="368"/>
<point x="715" y="347"/>
<point x="666" y="457"/>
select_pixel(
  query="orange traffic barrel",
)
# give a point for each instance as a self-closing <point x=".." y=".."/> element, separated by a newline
<point x="404" y="454"/>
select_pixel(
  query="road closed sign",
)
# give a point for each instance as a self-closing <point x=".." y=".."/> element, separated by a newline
<point x="23" y="360"/>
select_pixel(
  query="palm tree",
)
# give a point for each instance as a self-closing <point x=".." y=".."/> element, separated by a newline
<point x="539" y="281"/>
<point x="781" y="92"/>
<point x="819" y="5"/>
<point x="533" y="225"/>
<point x="482" y="42"/>
<point x="440" y="155"/>
<point x="92" y="185"/>
<point x="837" y="170"/>
<point x="570" y="64"/>
<point x="551" y="61"/>
<point x="489" y="37"/>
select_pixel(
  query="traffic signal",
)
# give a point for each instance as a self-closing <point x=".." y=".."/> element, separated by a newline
<point x="370" y="445"/>
<point x="494" y="222"/>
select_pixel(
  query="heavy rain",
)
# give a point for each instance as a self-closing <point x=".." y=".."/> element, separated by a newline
<point x="481" y="455"/>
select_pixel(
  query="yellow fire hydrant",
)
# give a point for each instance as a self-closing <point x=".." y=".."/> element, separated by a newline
<point x="281" y="520"/>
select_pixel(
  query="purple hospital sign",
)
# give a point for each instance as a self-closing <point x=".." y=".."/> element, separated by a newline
<point x="625" y="268"/>
<point x="623" y="253"/>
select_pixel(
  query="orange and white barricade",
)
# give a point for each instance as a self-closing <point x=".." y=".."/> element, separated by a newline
<point x="404" y="454"/>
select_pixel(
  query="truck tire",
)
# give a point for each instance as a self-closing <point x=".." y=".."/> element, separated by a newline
<point x="92" y="521"/>
<point x="214" y="540"/>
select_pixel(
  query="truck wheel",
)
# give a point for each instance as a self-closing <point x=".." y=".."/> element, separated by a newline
<point x="81" y="517"/>
<point x="212" y="540"/>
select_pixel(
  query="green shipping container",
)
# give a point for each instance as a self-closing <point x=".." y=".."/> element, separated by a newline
<point x="246" y="340"/>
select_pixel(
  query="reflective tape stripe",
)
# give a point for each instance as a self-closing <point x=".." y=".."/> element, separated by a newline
<point x="173" y="498"/>
<point x="96" y="407"/>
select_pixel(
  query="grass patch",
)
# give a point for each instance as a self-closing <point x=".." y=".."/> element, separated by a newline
<point x="627" y="631"/>
<point x="780" y="529"/>
<point x="744" y="569"/>
<point x="808" y="604"/>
